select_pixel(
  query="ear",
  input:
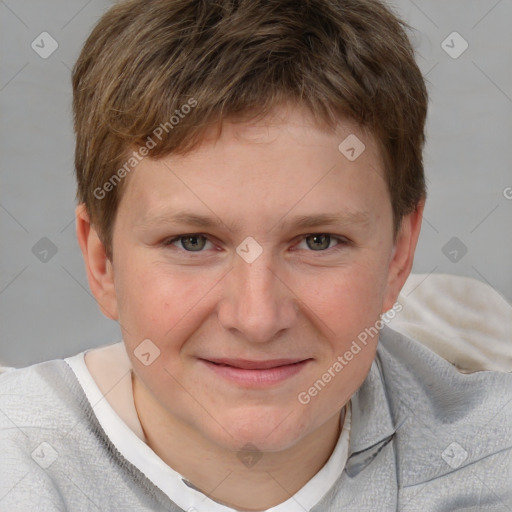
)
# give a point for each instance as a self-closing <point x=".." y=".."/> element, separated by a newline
<point x="403" y="255"/>
<point x="100" y="272"/>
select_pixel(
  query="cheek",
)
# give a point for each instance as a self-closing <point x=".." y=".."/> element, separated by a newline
<point x="144" y="299"/>
<point x="346" y="300"/>
<point x="347" y="303"/>
<point x="161" y="303"/>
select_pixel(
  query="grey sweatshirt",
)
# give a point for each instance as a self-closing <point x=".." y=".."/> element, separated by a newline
<point x="424" y="437"/>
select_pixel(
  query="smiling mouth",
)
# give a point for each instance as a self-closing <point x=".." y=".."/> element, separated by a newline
<point x="244" y="364"/>
<point x="255" y="374"/>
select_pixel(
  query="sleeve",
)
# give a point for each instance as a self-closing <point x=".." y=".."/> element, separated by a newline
<point x="24" y="484"/>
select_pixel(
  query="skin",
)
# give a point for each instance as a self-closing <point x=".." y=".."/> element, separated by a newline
<point x="300" y="298"/>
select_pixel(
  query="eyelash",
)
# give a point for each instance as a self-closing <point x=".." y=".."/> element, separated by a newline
<point x="342" y="242"/>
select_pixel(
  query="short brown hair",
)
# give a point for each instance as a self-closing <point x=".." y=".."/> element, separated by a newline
<point x="145" y="61"/>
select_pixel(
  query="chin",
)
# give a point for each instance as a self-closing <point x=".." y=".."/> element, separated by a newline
<point x="268" y="429"/>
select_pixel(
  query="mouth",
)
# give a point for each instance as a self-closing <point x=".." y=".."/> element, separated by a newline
<point x="245" y="364"/>
<point x="247" y="373"/>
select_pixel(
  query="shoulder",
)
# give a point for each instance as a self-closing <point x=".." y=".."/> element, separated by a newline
<point x="452" y="428"/>
<point x="54" y="452"/>
<point x="42" y="398"/>
<point x="412" y="371"/>
<point x="39" y="405"/>
<point x="52" y="446"/>
<point x="32" y="390"/>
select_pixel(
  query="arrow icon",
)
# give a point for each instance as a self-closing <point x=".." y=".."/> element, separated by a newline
<point x="454" y="249"/>
<point x="352" y="147"/>
<point x="44" y="250"/>
<point x="454" y="455"/>
<point x="45" y="455"/>
<point x="146" y="352"/>
<point x="249" y="249"/>
<point x="249" y="455"/>
<point x="44" y="45"/>
<point x="454" y="45"/>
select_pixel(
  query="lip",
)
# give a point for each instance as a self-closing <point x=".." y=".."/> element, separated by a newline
<point x="256" y="373"/>
<point x="246" y="364"/>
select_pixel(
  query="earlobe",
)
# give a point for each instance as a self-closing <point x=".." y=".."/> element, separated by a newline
<point x="402" y="256"/>
<point x="100" y="272"/>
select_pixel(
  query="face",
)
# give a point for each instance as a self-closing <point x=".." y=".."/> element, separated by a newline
<point x="251" y="264"/>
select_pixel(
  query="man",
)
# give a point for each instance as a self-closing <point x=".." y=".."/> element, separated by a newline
<point x="251" y="188"/>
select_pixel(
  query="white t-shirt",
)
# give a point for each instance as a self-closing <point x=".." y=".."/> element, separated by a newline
<point x="110" y="394"/>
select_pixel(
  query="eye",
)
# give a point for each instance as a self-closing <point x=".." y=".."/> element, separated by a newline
<point x="316" y="242"/>
<point x="190" y="243"/>
<point x="319" y="242"/>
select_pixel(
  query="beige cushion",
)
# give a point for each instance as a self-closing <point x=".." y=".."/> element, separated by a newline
<point x="463" y="320"/>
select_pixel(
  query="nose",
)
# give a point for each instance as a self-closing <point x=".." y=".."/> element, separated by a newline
<point x="258" y="303"/>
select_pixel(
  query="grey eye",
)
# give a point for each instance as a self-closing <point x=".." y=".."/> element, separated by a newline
<point x="193" y="243"/>
<point x="320" y="242"/>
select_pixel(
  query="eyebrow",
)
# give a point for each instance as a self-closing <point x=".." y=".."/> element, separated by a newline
<point x="348" y="217"/>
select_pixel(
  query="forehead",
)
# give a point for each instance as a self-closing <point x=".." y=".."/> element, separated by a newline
<point x="296" y="130"/>
<point x="282" y="162"/>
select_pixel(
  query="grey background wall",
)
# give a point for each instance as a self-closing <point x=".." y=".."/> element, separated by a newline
<point x="46" y="309"/>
